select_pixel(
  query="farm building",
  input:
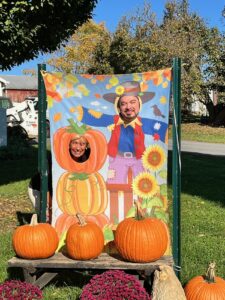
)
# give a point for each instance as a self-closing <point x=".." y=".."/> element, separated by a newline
<point x="18" y="87"/>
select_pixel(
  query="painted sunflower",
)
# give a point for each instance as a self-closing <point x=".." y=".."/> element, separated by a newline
<point x="153" y="158"/>
<point x="119" y="90"/>
<point x="145" y="185"/>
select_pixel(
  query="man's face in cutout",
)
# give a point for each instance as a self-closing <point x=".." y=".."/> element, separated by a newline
<point x="129" y="107"/>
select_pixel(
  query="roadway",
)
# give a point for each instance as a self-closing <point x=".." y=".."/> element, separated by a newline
<point x="203" y="148"/>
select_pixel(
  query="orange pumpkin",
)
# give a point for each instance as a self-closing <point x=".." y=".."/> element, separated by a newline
<point x="64" y="221"/>
<point x="35" y="240"/>
<point x="141" y="239"/>
<point x="96" y="140"/>
<point x="84" y="240"/>
<point x="87" y="197"/>
<point x="208" y="287"/>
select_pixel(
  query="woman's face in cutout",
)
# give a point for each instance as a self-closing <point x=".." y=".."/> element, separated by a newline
<point x="78" y="146"/>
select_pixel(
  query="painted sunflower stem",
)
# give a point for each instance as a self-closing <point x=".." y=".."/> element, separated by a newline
<point x="152" y="213"/>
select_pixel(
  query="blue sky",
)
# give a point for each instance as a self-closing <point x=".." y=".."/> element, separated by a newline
<point x="111" y="11"/>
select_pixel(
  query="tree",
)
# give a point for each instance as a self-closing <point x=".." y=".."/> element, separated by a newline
<point x="131" y="49"/>
<point x="140" y="44"/>
<point x="100" y="63"/>
<point x="32" y="26"/>
<point x="223" y="12"/>
<point x="77" y="55"/>
<point x="185" y="35"/>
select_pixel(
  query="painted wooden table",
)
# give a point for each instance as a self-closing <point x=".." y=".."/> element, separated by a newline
<point x="42" y="271"/>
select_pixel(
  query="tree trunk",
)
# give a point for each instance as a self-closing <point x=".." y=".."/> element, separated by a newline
<point x="211" y="110"/>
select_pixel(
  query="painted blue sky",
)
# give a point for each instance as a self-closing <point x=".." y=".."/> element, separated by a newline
<point x="111" y="11"/>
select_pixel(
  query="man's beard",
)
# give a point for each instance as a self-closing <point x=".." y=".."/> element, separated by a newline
<point x="127" y="119"/>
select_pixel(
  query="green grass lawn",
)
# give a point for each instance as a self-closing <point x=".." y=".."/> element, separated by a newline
<point x="201" y="133"/>
<point x="202" y="212"/>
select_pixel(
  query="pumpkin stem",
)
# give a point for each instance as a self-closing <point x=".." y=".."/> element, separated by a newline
<point x="74" y="127"/>
<point x="34" y="220"/>
<point x="81" y="219"/>
<point x="210" y="273"/>
<point x="139" y="210"/>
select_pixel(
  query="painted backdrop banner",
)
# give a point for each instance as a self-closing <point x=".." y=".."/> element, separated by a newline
<point x="125" y="162"/>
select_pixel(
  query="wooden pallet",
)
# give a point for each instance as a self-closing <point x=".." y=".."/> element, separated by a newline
<point x="42" y="271"/>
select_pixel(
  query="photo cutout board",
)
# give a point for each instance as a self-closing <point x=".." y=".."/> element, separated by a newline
<point x="109" y="143"/>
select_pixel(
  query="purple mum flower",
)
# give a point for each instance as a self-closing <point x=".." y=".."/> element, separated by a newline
<point x="114" y="284"/>
<point x="16" y="289"/>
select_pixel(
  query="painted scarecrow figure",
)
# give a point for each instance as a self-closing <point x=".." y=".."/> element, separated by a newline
<point x="126" y="145"/>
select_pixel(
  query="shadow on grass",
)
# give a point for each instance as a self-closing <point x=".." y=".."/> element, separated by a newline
<point x="21" y="168"/>
<point x="201" y="175"/>
<point x="19" y="158"/>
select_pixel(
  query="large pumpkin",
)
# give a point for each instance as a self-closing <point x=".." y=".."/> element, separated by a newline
<point x="87" y="197"/>
<point x="35" y="241"/>
<point x="84" y="240"/>
<point x="208" y="287"/>
<point x="64" y="221"/>
<point x="141" y="239"/>
<point x="96" y="140"/>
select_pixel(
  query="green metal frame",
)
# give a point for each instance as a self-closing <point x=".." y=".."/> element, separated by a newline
<point x="42" y="145"/>
<point x="176" y="162"/>
<point x="176" y="165"/>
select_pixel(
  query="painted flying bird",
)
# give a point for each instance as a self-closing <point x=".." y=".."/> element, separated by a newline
<point x="157" y="112"/>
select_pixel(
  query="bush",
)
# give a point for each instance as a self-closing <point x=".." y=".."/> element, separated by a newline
<point x="113" y="285"/>
<point x="18" y="290"/>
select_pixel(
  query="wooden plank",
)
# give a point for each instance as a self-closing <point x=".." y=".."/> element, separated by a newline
<point x="29" y="274"/>
<point x="104" y="261"/>
<point x="45" y="279"/>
